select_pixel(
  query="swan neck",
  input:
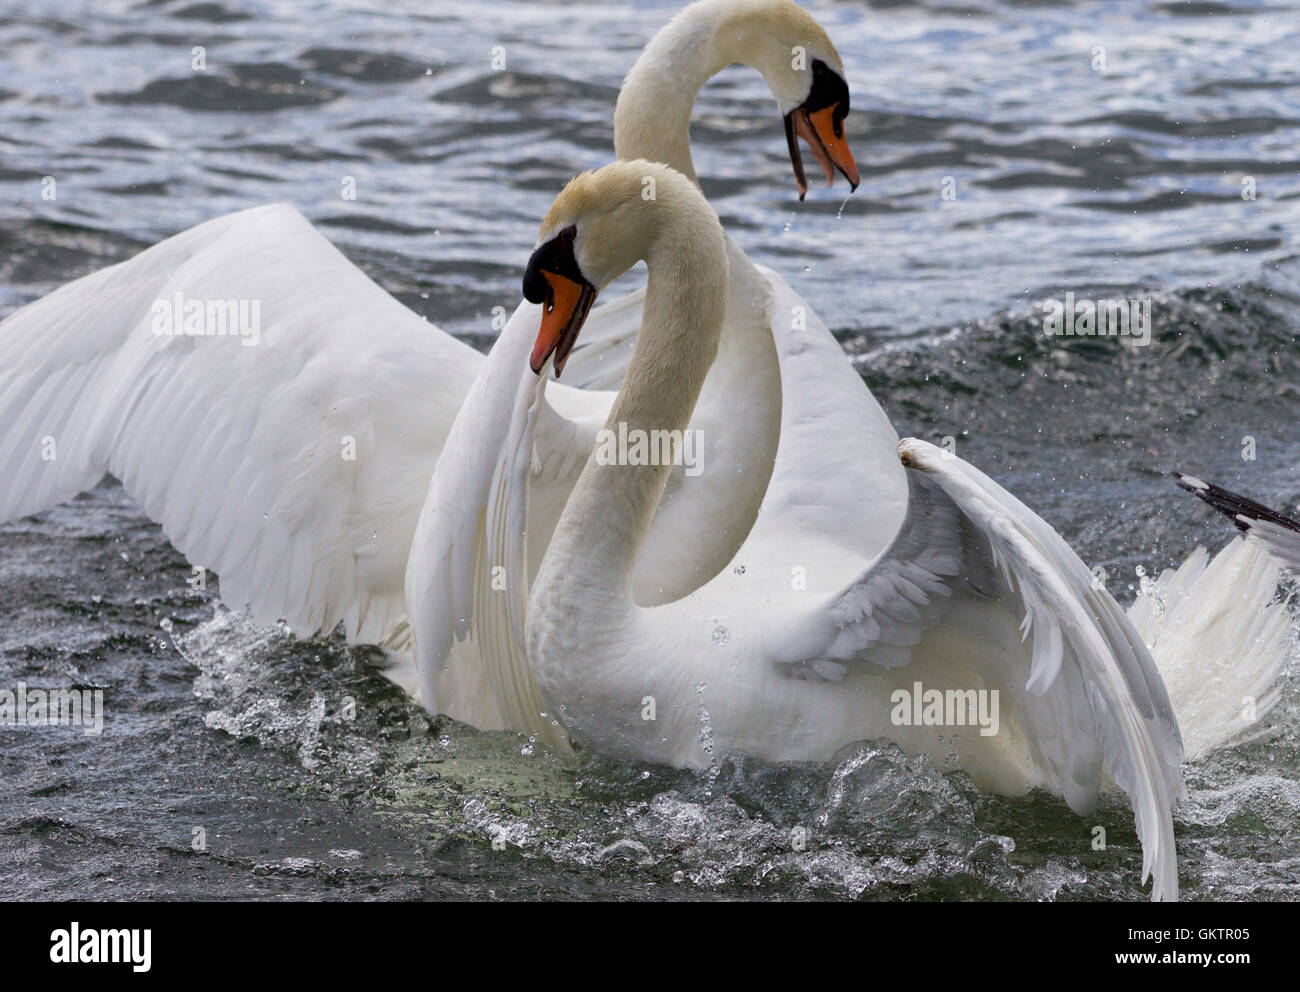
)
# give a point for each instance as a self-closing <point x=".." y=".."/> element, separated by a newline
<point x="608" y="516"/>
<point x="652" y="119"/>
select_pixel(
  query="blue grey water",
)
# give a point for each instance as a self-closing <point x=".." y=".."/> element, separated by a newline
<point x="1068" y="175"/>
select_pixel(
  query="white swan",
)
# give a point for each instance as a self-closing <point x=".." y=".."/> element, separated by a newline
<point x="813" y="636"/>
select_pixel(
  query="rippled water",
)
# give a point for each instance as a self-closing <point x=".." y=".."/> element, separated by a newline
<point x="1067" y="179"/>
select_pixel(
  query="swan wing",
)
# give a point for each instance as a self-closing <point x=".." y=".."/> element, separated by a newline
<point x="1281" y="541"/>
<point x="827" y="482"/>
<point x="293" y="461"/>
<point x="967" y="554"/>
<point x="1222" y="640"/>
<point x="467" y="581"/>
<point x="1277" y="533"/>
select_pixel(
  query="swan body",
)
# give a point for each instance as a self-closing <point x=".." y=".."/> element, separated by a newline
<point x="970" y="591"/>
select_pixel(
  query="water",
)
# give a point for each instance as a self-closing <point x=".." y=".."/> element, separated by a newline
<point x="308" y="775"/>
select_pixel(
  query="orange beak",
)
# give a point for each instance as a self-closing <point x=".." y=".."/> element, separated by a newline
<point x="829" y="145"/>
<point x="565" y="311"/>
<point x="819" y="120"/>
<point x="554" y="279"/>
<point x="823" y="130"/>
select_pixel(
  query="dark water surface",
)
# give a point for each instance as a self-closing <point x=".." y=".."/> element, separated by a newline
<point x="1127" y="180"/>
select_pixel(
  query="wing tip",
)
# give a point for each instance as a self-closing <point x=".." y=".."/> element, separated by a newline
<point x="1241" y="510"/>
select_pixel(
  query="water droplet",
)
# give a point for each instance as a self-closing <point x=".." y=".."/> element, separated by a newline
<point x="739" y="569"/>
<point x="706" y="730"/>
<point x="721" y="635"/>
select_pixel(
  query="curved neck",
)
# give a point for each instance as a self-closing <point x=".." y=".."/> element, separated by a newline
<point x="609" y="513"/>
<point x="653" y="117"/>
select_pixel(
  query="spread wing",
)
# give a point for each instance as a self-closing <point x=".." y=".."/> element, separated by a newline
<point x="974" y="581"/>
<point x="292" y="461"/>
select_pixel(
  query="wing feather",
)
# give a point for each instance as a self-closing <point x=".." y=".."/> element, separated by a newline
<point x="239" y="452"/>
<point x="1090" y="687"/>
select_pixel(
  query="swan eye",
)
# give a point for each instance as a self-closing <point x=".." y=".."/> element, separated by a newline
<point x="569" y="233"/>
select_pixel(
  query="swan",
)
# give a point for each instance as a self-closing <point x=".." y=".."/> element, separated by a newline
<point x="771" y="371"/>
<point x="811" y="638"/>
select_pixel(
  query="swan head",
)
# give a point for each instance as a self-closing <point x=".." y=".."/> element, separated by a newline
<point x="805" y="73"/>
<point x="601" y="224"/>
